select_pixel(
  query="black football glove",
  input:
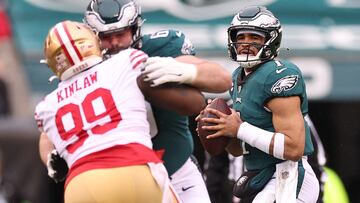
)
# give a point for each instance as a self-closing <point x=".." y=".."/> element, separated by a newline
<point x="56" y="166"/>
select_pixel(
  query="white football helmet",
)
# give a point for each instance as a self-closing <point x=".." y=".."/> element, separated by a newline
<point x="71" y="47"/>
<point x="258" y="20"/>
<point x="110" y="16"/>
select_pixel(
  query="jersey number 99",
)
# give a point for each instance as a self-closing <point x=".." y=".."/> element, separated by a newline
<point x="87" y="107"/>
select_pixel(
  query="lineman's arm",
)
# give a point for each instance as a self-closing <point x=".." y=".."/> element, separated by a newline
<point x="183" y="99"/>
<point x="56" y="166"/>
<point x="187" y="69"/>
<point x="210" y="77"/>
<point x="45" y="147"/>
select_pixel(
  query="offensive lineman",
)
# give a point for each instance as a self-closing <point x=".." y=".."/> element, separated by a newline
<point x="119" y="28"/>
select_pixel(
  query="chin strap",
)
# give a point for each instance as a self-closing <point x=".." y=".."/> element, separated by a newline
<point x="79" y="67"/>
<point x="52" y="78"/>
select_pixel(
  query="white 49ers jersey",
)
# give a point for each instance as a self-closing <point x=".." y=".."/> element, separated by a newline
<point x="97" y="109"/>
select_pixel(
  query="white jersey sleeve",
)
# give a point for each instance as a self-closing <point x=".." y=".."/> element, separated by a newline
<point x="97" y="109"/>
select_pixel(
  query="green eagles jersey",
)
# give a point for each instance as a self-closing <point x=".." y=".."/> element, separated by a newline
<point x="173" y="132"/>
<point x="251" y="93"/>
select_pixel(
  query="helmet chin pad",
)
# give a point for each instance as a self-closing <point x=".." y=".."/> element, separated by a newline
<point x="249" y="64"/>
<point x="249" y="61"/>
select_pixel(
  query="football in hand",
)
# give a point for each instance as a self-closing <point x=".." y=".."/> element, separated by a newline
<point x="217" y="145"/>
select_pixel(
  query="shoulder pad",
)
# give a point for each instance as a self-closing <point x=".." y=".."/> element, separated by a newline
<point x="283" y="79"/>
<point x="166" y="43"/>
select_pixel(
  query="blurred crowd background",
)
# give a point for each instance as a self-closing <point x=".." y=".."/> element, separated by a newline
<point x="322" y="37"/>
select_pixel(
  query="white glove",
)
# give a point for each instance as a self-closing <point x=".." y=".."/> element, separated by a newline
<point x="160" y="70"/>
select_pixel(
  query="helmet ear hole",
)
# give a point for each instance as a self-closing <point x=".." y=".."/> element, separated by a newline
<point x="233" y="53"/>
<point x="233" y="35"/>
<point x="267" y="52"/>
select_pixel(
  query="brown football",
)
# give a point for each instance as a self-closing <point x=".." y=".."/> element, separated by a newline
<point x="214" y="145"/>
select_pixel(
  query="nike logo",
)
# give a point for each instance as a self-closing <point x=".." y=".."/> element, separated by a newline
<point x="186" y="188"/>
<point x="280" y="70"/>
<point x="178" y="33"/>
<point x="176" y="74"/>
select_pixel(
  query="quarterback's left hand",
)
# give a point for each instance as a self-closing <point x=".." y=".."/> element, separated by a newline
<point x="160" y="70"/>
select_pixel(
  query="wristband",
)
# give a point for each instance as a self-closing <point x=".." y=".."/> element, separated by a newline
<point x="255" y="136"/>
<point x="279" y="145"/>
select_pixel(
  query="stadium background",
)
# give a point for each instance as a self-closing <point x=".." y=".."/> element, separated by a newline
<point x="322" y="37"/>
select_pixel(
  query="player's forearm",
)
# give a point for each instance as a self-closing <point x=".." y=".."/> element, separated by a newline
<point x="276" y="144"/>
<point x="183" y="99"/>
<point x="211" y="77"/>
<point x="234" y="147"/>
<point x="45" y="147"/>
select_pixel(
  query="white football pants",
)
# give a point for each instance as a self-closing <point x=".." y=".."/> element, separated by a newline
<point x="189" y="184"/>
<point x="309" y="190"/>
